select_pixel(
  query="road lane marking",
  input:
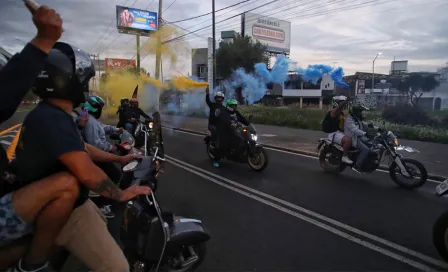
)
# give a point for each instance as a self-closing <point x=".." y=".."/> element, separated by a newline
<point x="3" y="132"/>
<point x="252" y="194"/>
<point x="287" y="152"/>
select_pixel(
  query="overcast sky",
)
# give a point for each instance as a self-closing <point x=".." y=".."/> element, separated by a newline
<point x="323" y="31"/>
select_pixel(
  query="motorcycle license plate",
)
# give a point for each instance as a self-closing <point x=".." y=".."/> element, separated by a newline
<point x="442" y="187"/>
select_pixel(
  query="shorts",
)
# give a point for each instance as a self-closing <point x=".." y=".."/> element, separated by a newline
<point x="12" y="227"/>
<point x="336" y="137"/>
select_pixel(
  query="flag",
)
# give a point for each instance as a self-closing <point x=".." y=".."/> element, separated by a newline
<point x="134" y="94"/>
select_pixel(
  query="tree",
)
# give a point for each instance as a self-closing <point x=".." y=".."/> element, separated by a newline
<point x="241" y="52"/>
<point x="416" y="85"/>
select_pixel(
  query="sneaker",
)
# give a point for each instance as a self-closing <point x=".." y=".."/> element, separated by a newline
<point x="216" y="164"/>
<point x="93" y="194"/>
<point x="346" y="160"/>
<point x="18" y="268"/>
<point x="107" y="212"/>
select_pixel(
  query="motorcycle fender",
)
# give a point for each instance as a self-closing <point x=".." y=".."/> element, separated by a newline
<point x="186" y="231"/>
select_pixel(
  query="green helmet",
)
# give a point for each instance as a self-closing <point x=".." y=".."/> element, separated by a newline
<point x="231" y="104"/>
<point x="94" y="105"/>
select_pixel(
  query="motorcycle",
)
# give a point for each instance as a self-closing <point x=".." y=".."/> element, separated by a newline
<point x="153" y="240"/>
<point x="440" y="228"/>
<point x="248" y="149"/>
<point x="384" y="144"/>
<point x="145" y="136"/>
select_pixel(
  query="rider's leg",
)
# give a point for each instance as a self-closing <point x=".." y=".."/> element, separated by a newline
<point x="212" y="130"/>
<point x="11" y="254"/>
<point x="46" y="204"/>
<point x="86" y="236"/>
<point x="128" y="127"/>
<point x="364" y="152"/>
<point x="346" y="144"/>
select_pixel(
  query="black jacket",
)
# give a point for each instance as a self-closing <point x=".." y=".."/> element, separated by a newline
<point x="17" y="77"/>
<point x="226" y="118"/>
<point x="135" y="112"/>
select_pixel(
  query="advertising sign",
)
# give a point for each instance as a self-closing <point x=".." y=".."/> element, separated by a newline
<point x="274" y="33"/>
<point x="115" y="64"/>
<point x="137" y="20"/>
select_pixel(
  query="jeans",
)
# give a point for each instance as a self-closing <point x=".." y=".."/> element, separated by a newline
<point x="364" y="152"/>
<point x="129" y="127"/>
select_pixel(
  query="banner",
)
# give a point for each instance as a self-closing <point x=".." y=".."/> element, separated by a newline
<point x="136" y="19"/>
<point x="116" y="64"/>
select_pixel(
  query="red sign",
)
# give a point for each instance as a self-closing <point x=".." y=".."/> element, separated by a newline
<point x="115" y="64"/>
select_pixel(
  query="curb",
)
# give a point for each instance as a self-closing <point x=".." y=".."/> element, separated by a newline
<point x="301" y="152"/>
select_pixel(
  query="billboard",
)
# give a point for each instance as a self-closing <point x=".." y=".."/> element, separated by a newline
<point x="274" y="33"/>
<point x="116" y="64"/>
<point x="136" y="21"/>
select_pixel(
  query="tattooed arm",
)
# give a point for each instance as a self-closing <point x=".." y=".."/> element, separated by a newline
<point x="81" y="166"/>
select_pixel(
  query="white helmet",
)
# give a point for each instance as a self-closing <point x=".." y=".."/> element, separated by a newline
<point x="219" y="94"/>
<point x="338" y="99"/>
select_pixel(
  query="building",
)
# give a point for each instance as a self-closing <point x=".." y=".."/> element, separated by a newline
<point x="199" y="63"/>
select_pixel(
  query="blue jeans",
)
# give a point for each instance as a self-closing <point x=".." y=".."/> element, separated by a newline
<point x="128" y="127"/>
<point x="364" y="152"/>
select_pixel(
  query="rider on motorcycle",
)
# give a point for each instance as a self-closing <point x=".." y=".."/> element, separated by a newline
<point x="333" y="124"/>
<point x="95" y="134"/>
<point x="133" y="113"/>
<point x="50" y="143"/>
<point x="229" y="117"/>
<point x="212" y="119"/>
<point x="124" y="104"/>
<point x="355" y="128"/>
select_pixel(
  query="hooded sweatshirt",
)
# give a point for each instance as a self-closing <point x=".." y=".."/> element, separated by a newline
<point x="95" y="134"/>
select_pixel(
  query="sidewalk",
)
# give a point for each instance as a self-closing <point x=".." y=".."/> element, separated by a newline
<point x="433" y="155"/>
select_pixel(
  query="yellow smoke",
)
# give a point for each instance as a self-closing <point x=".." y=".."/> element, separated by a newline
<point x="122" y="83"/>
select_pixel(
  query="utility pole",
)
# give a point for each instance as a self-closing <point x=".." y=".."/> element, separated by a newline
<point x="138" y="53"/>
<point x="95" y="57"/>
<point x="159" y="40"/>
<point x="214" y="44"/>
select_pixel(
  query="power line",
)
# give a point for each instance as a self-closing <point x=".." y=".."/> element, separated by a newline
<point x="169" y="6"/>
<point x="205" y="14"/>
<point x="191" y="32"/>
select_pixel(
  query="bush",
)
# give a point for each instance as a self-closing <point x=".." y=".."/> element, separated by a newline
<point x="404" y="114"/>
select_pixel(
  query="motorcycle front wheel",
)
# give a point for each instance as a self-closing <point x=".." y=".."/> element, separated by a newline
<point x="440" y="236"/>
<point x="172" y="265"/>
<point x="258" y="160"/>
<point x="411" y="166"/>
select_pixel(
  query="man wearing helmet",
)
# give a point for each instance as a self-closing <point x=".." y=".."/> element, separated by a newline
<point x="124" y="104"/>
<point x="229" y="117"/>
<point x="133" y="113"/>
<point x="355" y="128"/>
<point x="213" y="106"/>
<point x="50" y="143"/>
<point x="95" y="134"/>
<point x="333" y="124"/>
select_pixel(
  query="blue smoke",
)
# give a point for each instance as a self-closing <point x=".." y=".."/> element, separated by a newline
<point x="315" y="72"/>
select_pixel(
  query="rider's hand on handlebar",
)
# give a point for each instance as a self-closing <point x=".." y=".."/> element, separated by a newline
<point x="130" y="157"/>
<point x="134" y="191"/>
<point x="114" y="149"/>
<point x="121" y="130"/>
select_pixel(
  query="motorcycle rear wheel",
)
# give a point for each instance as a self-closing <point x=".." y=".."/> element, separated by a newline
<point x="440" y="235"/>
<point x="327" y="166"/>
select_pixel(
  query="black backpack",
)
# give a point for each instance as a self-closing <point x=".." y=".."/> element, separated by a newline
<point x="329" y="124"/>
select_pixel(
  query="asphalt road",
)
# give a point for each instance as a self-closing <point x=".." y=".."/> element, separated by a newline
<point x="293" y="217"/>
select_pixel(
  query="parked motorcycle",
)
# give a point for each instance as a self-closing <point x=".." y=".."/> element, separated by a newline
<point x="383" y="144"/>
<point x="440" y="228"/>
<point x="247" y="150"/>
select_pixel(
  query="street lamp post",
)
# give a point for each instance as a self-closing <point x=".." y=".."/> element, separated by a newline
<point x="373" y="70"/>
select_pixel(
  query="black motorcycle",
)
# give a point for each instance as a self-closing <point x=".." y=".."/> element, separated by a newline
<point x="381" y="145"/>
<point x="245" y="148"/>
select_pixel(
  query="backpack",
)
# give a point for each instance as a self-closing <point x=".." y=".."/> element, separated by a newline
<point x="329" y="124"/>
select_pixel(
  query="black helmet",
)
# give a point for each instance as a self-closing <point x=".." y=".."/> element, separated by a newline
<point x="65" y="75"/>
<point x="357" y="109"/>
<point x="124" y="100"/>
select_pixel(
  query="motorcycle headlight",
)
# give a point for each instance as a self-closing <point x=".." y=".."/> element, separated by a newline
<point x="254" y="137"/>
<point x="150" y="124"/>
<point x="396" y="141"/>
